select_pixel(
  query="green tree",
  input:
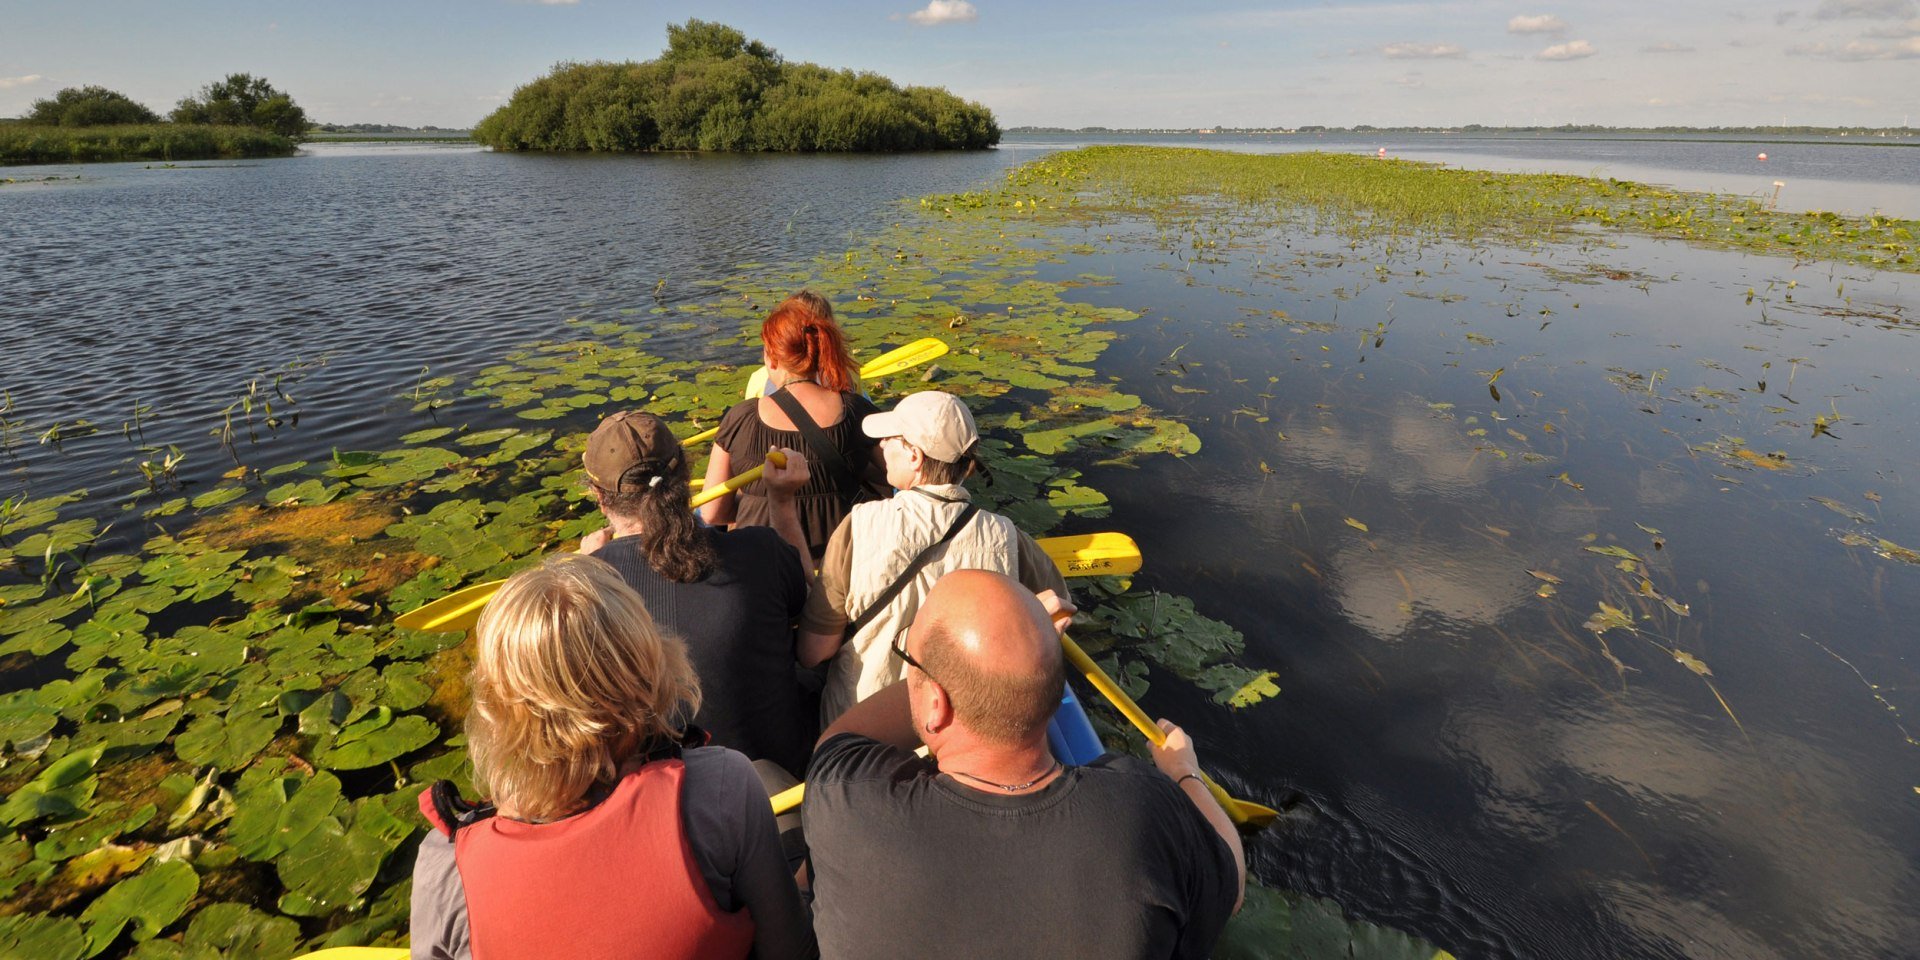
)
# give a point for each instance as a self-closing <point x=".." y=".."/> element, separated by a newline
<point x="714" y="89"/>
<point x="89" y="107"/>
<point x="244" y="100"/>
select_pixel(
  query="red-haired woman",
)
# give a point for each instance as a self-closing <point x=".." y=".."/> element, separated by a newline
<point x="815" y="406"/>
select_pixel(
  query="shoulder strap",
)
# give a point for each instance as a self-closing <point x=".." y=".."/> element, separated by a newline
<point x="913" y="567"/>
<point x="845" y="479"/>
<point x="447" y="811"/>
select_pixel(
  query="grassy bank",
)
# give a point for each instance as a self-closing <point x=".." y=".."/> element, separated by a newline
<point x="1368" y="197"/>
<point x="30" y="143"/>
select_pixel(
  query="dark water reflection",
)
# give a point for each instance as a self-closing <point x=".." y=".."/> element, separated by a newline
<point x="1465" y="759"/>
<point x="1471" y="763"/>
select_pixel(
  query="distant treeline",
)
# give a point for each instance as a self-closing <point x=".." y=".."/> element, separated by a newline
<point x="713" y="89"/>
<point x="39" y="143"/>
<point x="1475" y="128"/>
<point x="387" y="128"/>
<point x="239" y="116"/>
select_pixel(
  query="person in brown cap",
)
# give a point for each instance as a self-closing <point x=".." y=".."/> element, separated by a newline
<point x="885" y="556"/>
<point x="732" y="595"/>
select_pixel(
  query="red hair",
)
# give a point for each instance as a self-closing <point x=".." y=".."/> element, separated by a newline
<point x="805" y="340"/>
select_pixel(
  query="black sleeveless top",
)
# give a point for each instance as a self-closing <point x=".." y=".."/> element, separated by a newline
<point x="738" y="624"/>
<point x="822" y="503"/>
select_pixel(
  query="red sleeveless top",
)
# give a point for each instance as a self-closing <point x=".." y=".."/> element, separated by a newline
<point x="615" y="882"/>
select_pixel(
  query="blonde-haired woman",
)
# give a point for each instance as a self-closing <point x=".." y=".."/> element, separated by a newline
<point x="612" y="831"/>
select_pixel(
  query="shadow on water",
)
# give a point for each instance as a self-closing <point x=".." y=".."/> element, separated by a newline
<point x="1424" y="474"/>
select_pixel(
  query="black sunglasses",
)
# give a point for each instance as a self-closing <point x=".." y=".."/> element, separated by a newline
<point x="899" y="649"/>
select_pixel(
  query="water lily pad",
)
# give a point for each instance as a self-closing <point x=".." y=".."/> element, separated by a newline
<point x="101" y="865"/>
<point x="237" y="930"/>
<point x="375" y="740"/>
<point x="277" y="812"/>
<point x="218" y="496"/>
<point x="328" y="869"/>
<point x="147" y="902"/>
<point x="227" y="742"/>
<point x="428" y="435"/>
<point x="61" y="792"/>
<point x="312" y="491"/>
<point x="42" y="938"/>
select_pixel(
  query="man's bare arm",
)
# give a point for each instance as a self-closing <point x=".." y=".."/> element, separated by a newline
<point x="884" y="716"/>
<point x="1177" y="759"/>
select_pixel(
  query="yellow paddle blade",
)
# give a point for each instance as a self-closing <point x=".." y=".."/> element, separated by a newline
<point x="456" y="612"/>
<point x="900" y="358"/>
<point x="885" y="365"/>
<point x="1242" y="812"/>
<point x="1093" y="554"/>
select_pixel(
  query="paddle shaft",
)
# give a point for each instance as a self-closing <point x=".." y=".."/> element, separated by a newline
<point x="1138" y="717"/>
<point x="737" y="481"/>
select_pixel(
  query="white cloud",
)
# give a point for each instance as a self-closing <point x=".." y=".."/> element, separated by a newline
<point x="938" y="12"/>
<point x="1573" y="50"/>
<point x="1423" y="51"/>
<point x="1668" y="47"/>
<point x="1864" y="10"/>
<point x="1896" y="31"/>
<point x="8" y="83"/>
<point x="1542" y="23"/>
<point x="1858" y="50"/>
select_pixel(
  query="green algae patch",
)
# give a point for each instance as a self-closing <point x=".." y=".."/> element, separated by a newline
<point x="1369" y="197"/>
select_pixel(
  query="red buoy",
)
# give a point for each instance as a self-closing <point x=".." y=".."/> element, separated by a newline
<point x="1763" y="156"/>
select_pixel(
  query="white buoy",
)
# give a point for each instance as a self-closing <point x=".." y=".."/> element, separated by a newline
<point x="1383" y="154"/>
<point x="1762" y="157"/>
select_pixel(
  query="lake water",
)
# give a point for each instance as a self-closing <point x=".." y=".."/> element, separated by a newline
<point x="1466" y="760"/>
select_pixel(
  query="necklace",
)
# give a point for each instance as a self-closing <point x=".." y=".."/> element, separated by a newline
<point x="1008" y="787"/>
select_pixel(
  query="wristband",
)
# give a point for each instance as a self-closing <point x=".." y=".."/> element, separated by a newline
<point x="1190" y="776"/>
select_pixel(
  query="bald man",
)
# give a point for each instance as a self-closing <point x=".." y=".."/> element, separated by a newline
<point x="991" y="848"/>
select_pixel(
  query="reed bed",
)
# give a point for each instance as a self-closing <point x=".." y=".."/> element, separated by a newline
<point x="22" y="143"/>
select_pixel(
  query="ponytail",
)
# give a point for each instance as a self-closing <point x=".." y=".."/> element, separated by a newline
<point x="801" y="335"/>
<point x="671" y="538"/>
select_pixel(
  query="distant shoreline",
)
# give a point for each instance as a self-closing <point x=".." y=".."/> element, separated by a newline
<point x="1864" y="135"/>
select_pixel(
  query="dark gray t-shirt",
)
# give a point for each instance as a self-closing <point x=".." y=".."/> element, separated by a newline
<point x="1110" y="860"/>
<point x="738" y="624"/>
<point x="730" y="828"/>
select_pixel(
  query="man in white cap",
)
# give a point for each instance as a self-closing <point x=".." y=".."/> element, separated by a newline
<point x="885" y="556"/>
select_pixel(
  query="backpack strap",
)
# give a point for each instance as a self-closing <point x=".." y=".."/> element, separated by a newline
<point x="912" y="569"/>
<point x="447" y="811"/>
<point x="846" y="479"/>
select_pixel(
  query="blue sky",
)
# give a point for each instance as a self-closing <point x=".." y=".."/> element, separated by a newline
<point x="1122" y="63"/>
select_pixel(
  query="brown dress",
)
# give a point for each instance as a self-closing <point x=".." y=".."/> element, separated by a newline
<point x="822" y="502"/>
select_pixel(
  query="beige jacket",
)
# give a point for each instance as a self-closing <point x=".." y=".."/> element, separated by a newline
<point x="887" y="535"/>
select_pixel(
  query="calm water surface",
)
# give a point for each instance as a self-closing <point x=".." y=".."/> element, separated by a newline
<point x="1465" y="759"/>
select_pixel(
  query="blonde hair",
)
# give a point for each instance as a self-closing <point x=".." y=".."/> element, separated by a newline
<point x="571" y="677"/>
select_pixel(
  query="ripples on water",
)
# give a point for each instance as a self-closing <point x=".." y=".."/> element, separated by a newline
<point x="176" y="286"/>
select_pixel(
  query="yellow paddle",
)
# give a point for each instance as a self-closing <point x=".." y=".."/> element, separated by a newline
<point x="885" y="365"/>
<point x="1086" y="555"/>
<point x="1243" y="812"/>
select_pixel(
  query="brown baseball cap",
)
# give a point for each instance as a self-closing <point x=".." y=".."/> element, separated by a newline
<point x="628" y="440"/>
<point x="938" y="423"/>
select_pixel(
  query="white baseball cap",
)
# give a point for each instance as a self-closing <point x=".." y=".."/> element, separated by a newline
<point x="938" y="423"/>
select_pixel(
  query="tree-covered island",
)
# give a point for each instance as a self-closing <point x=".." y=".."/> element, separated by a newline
<point x="713" y="89"/>
<point x="239" y="116"/>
